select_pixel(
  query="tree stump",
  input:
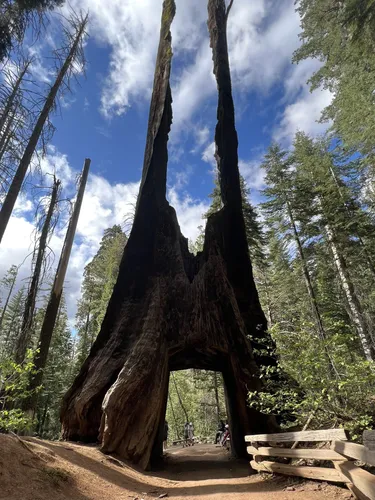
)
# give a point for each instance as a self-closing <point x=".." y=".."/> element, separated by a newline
<point x="171" y="310"/>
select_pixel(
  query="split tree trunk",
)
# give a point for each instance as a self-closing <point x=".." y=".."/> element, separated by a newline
<point x="171" y="310"/>
<point x="49" y="321"/>
<point x="28" y="315"/>
<point x="15" y="187"/>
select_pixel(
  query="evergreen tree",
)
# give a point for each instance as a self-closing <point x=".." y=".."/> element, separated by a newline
<point x="7" y="285"/>
<point x="335" y="217"/>
<point x="58" y="374"/>
<point x="12" y="323"/>
<point x="340" y="34"/>
<point x="100" y="276"/>
<point x="16" y="16"/>
<point x="255" y="237"/>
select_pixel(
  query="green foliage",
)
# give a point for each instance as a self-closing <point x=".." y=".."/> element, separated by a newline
<point x="346" y="402"/>
<point x="14" y="379"/>
<point x="18" y="15"/>
<point x="340" y="34"/>
<point x="100" y="276"/>
<point x="194" y="392"/>
<point x="308" y="191"/>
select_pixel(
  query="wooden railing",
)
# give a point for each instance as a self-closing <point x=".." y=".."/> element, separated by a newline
<point x="341" y="453"/>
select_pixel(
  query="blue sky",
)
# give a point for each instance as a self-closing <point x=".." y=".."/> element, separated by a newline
<point x="106" y="116"/>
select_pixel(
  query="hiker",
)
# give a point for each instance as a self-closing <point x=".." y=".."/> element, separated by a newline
<point x="186" y="433"/>
<point x="191" y="433"/>
<point x="220" y="431"/>
<point x="165" y="437"/>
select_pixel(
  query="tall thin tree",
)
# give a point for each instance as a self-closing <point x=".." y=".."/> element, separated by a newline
<point x="56" y="293"/>
<point x="28" y="316"/>
<point x="75" y="52"/>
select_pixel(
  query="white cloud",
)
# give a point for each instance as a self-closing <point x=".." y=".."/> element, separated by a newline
<point x="261" y="35"/>
<point x="252" y="173"/>
<point x="208" y="154"/>
<point x="189" y="212"/>
<point x="303" y="114"/>
<point x="104" y="204"/>
<point x="201" y="138"/>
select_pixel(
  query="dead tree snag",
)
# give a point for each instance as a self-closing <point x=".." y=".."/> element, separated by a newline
<point x="172" y="310"/>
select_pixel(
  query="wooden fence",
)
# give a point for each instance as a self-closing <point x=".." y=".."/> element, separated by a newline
<point x="342" y="453"/>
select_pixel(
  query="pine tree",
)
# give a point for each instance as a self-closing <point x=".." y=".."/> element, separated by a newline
<point x="338" y="222"/>
<point x="58" y="375"/>
<point x="7" y="285"/>
<point x="254" y="234"/>
<point x="340" y="34"/>
<point x="100" y="276"/>
<point x="12" y="323"/>
<point x="16" y="16"/>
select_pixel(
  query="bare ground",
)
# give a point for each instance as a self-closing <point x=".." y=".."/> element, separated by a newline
<point x="52" y="470"/>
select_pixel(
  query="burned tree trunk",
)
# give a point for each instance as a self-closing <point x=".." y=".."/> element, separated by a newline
<point x="171" y="310"/>
<point x="19" y="176"/>
<point x="28" y="315"/>
<point x="53" y="305"/>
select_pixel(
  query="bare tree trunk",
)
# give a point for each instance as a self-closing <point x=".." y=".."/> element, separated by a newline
<point x="28" y="316"/>
<point x="15" y="187"/>
<point x="174" y="416"/>
<point x="368" y="257"/>
<point x="217" y="397"/>
<point x="7" y="300"/>
<point x="55" y="298"/>
<point x="6" y="133"/>
<point x="13" y="95"/>
<point x="179" y="399"/>
<point x="354" y="305"/>
<point x="311" y="292"/>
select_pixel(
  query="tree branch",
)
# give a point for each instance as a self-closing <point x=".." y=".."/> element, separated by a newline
<point x="228" y="9"/>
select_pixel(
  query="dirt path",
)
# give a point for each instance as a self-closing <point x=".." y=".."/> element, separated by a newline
<point x="60" y="471"/>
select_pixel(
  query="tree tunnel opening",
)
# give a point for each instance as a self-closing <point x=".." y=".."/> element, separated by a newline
<point x="195" y="397"/>
<point x="201" y="389"/>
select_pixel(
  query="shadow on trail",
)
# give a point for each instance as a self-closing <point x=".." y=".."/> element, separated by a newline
<point x="201" y="462"/>
<point x="195" y="471"/>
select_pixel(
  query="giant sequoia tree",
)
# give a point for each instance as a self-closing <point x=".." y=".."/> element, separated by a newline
<point x="169" y="309"/>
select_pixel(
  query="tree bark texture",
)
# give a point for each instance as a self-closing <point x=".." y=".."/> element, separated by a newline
<point x="171" y="310"/>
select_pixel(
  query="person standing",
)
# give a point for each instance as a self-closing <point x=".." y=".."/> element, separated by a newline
<point x="191" y="433"/>
<point x="186" y="433"/>
<point x="220" y="431"/>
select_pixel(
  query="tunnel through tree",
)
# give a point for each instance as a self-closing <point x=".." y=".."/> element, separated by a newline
<point x="171" y="310"/>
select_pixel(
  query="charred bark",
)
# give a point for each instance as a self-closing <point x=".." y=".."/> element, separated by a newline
<point x="53" y="305"/>
<point x="169" y="309"/>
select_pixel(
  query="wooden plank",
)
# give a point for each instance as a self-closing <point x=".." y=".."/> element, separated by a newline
<point x="301" y="471"/>
<point x="362" y="480"/>
<point x="354" y="450"/>
<point x="282" y="437"/>
<point x="310" y="453"/>
<point x="369" y="439"/>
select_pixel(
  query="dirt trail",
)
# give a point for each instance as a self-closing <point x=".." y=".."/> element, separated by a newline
<point x="59" y="471"/>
